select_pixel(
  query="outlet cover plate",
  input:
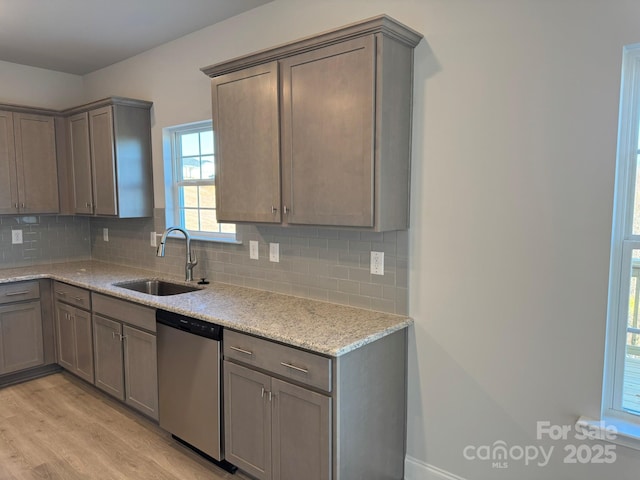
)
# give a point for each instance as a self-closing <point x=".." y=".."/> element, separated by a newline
<point x="274" y="252"/>
<point x="377" y="263"/>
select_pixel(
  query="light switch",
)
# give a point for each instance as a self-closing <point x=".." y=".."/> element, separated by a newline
<point x="16" y="237"/>
<point x="253" y="250"/>
<point x="274" y="252"/>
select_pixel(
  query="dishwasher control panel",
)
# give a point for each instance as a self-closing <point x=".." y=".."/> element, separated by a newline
<point x="188" y="324"/>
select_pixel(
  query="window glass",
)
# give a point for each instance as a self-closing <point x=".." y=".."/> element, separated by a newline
<point x="194" y="202"/>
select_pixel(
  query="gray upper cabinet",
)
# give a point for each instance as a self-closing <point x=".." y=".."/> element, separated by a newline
<point x="328" y="137"/>
<point x="339" y="132"/>
<point x="247" y="137"/>
<point x="80" y="154"/>
<point x="28" y="164"/>
<point x="109" y="145"/>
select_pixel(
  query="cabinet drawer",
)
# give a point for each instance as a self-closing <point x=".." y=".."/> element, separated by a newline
<point x="127" y="312"/>
<point x="78" y="297"/>
<point x="288" y="362"/>
<point x="16" y="292"/>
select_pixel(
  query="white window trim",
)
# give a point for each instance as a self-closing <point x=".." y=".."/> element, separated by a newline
<point x="623" y="242"/>
<point x="171" y="187"/>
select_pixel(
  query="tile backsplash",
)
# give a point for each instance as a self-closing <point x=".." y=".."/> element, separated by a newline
<point x="319" y="263"/>
<point x="45" y="239"/>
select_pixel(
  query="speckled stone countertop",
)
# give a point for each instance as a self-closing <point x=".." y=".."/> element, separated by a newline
<point x="321" y="327"/>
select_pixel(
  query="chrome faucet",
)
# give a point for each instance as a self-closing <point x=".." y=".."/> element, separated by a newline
<point x="191" y="262"/>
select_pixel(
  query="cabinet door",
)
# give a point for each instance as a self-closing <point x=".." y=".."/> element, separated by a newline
<point x="83" y="344"/>
<point x="80" y="152"/>
<point x="246" y="127"/>
<point x="65" y="332"/>
<point x="8" y="182"/>
<point x="36" y="163"/>
<point x="328" y="124"/>
<point x="102" y="153"/>
<point x="20" y="337"/>
<point x="107" y="348"/>
<point x="247" y="415"/>
<point x="141" y="371"/>
<point x="301" y="441"/>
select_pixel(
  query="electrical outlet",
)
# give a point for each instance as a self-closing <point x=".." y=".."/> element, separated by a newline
<point x="16" y="237"/>
<point x="377" y="263"/>
<point x="253" y="250"/>
<point x="274" y="252"/>
<point x="153" y="239"/>
<point x="105" y="234"/>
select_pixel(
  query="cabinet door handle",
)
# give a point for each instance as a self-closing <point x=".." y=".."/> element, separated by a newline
<point x="299" y="369"/>
<point x="286" y="210"/>
<point x="246" y="352"/>
<point x="13" y="294"/>
<point x="262" y="393"/>
<point x="274" y="210"/>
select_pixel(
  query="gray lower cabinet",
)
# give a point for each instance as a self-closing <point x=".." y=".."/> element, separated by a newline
<point x="20" y="337"/>
<point x="125" y="352"/>
<point x="292" y="414"/>
<point x="108" y="356"/>
<point x="275" y="429"/>
<point x="74" y="330"/>
<point x="21" y="341"/>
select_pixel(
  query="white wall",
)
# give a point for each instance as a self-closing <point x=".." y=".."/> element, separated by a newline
<point x="23" y="85"/>
<point x="514" y="147"/>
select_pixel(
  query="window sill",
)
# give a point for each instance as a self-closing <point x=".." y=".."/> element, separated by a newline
<point x="612" y="430"/>
<point x="199" y="238"/>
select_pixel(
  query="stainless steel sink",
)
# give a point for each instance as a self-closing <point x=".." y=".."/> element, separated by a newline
<point x="160" y="288"/>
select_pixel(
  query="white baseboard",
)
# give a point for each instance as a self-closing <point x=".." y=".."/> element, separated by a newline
<point x="415" y="469"/>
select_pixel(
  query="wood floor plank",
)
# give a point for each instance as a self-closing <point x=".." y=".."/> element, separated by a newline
<point x="59" y="428"/>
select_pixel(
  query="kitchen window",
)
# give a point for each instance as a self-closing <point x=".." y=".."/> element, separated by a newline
<point x="191" y="198"/>
<point x="621" y="394"/>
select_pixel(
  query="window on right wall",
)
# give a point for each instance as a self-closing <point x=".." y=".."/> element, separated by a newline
<point x="621" y="394"/>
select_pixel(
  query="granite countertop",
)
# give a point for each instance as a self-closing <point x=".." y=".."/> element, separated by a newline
<point x="321" y="327"/>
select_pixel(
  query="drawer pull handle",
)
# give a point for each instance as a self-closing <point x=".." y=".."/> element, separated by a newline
<point x="13" y="294"/>
<point x="62" y="294"/>
<point x="79" y="299"/>
<point x="246" y="352"/>
<point x="299" y="369"/>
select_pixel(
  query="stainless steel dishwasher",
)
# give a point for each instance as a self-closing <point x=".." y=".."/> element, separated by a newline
<point x="189" y="383"/>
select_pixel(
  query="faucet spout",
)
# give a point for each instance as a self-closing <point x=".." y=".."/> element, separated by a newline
<point x="191" y="260"/>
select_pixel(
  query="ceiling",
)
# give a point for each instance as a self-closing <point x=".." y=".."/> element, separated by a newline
<point x="81" y="36"/>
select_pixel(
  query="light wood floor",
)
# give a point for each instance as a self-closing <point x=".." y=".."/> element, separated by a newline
<point x="59" y="429"/>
